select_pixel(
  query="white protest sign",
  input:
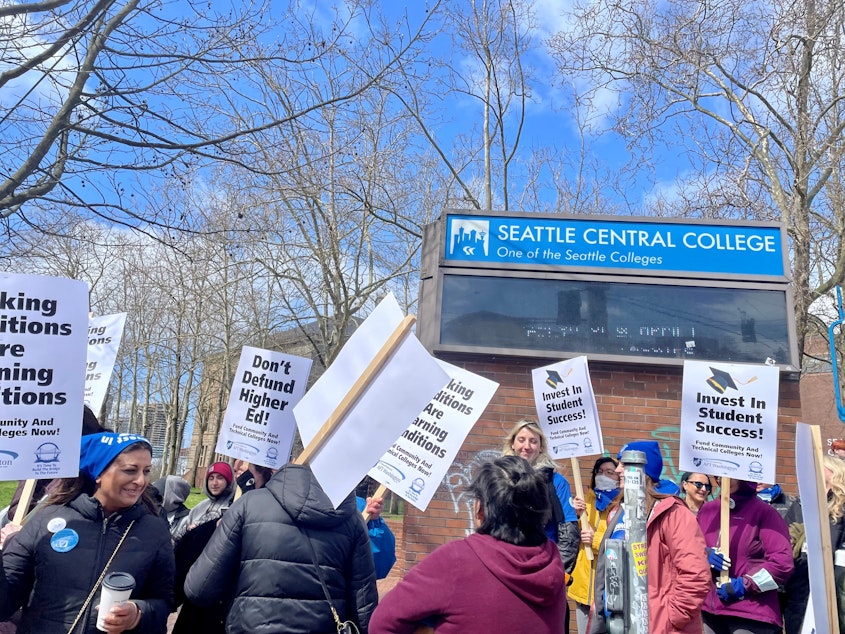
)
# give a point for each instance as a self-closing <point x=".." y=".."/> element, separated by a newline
<point x="821" y="608"/>
<point x="566" y="409"/>
<point x="729" y="415"/>
<point x="104" y="335"/>
<point x="416" y="463"/>
<point x="259" y="426"/>
<point x="43" y="323"/>
<point x="384" y="409"/>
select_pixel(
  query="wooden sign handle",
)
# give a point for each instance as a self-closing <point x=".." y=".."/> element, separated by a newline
<point x="579" y="491"/>
<point x="357" y="389"/>
<point x="23" y="502"/>
<point x="725" y="526"/>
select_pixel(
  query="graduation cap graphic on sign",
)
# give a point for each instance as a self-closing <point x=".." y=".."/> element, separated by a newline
<point x="553" y="377"/>
<point x="721" y="381"/>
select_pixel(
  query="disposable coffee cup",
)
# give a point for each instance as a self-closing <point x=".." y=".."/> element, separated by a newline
<point x="117" y="586"/>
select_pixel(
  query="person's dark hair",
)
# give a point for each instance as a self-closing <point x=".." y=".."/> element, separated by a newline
<point x="266" y="472"/>
<point x="90" y="424"/>
<point x="514" y="501"/>
<point x="70" y="488"/>
<point x="597" y="466"/>
<point x="652" y="495"/>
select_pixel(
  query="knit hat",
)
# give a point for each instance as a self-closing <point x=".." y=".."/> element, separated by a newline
<point x="223" y="469"/>
<point x="99" y="450"/>
<point x="653" y="459"/>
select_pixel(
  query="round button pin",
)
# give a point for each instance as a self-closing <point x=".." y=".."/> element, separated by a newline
<point x="65" y="540"/>
<point x="56" y="524"/>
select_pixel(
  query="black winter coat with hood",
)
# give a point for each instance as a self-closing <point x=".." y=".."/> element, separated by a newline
<point x="260" y="560"/>
<point x="53" y="584"/>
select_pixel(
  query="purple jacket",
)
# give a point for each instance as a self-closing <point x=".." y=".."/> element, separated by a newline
<point x="759" y="541"/>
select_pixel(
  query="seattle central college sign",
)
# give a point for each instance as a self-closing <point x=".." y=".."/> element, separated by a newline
<point x="661" y="247"/>
<point x="624" y="289"/>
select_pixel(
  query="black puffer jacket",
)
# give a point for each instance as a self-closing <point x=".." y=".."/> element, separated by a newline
<point x="62" y="580"/>
<point x="261" y="546"/>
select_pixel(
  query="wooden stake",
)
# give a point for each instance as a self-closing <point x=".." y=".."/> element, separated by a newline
<point x="725" y="527"/>
<point x="827" y="548"/>
<point x="579" y="491"/>
<point x="345" y="405"/>
<point x="23" y="502"/>
<point x="380" y="491"/>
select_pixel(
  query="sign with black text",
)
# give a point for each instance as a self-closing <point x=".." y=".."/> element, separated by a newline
<point x="259" y="426"/>
<point x="43" y="327"/>
<point x="729" y="415"/>
<point x="104" y="335"/>
<point x="566" y="409"/>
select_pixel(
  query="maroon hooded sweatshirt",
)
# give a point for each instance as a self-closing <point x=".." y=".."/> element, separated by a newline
<point x="479" y="584"/>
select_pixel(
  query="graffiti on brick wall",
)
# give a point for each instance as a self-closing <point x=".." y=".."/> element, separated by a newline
<point x="457" y="482"/>
<point x="668" y="437"/>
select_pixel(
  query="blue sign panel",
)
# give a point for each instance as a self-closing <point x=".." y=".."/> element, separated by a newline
<point x="650" y="247"/>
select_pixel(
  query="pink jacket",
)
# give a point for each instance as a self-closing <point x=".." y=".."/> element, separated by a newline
<point x="678" y="574"/>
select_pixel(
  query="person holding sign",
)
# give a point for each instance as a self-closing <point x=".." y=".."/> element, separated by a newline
<point x="527" y="441"/>
<point x="678" y="576"/>
<point x="98" y="523"/>
<point x="271" y="552"/>
<point x="602" y="498"/>
<point x="506" y="577"/>
<point x="382" y="539"/>
<point x="760" y="560"/>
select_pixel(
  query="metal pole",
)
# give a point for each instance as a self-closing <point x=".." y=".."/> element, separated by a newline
<point x="635" y="527"/>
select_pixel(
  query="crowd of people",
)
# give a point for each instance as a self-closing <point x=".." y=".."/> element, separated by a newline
<point x="267" y="551"/>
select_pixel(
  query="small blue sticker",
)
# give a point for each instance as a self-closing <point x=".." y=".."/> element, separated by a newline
<point x="64" y="540"/>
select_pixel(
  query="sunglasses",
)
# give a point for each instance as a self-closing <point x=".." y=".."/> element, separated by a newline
<point x="700" y="485"/>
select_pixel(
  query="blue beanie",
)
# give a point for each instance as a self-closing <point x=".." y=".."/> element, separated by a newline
<point x="98" y="451"/>
<point x="653" y="459"/>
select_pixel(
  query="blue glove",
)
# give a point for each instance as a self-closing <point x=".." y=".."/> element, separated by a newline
<point x="717" y="560"/>
<point x="732" y="591"/>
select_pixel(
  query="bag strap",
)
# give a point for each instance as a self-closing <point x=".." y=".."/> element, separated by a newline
<point x="100" y="580"/>
<point x="341" y="625"/>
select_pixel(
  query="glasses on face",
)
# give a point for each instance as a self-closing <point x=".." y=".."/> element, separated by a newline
<point x="701" y="485"/>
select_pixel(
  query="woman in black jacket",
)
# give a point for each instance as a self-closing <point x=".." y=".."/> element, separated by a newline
<point x="259" y="560"/>
<point x="56" y="560"/>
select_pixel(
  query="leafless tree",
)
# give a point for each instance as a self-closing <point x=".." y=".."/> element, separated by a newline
<point x="750" y="91"/>
<point x="97" y="96"/>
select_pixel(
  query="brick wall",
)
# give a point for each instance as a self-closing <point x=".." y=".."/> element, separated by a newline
<point x="634" y="402"/>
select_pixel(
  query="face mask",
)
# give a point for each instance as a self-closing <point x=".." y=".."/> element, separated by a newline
<point x="606" y="483"/>
<point x="246" y="481"/>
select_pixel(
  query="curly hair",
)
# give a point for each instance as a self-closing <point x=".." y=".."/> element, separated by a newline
<point x="836" y="495"/>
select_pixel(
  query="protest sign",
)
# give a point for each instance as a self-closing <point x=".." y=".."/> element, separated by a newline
<point x="104" y="335"/>
<point x="418" y="461"/>
<point x="821" y="613"/>
<point x="566" y="408"/>
<point x="259" y="425"/>
<point x="729" y="417"/>
<point x="43" y="324"/>
<point x="372" y="391"/>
